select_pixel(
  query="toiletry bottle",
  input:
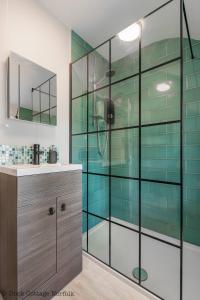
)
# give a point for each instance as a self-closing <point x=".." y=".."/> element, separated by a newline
<point x="52" y="155"/>
<point x="36" y="154"/>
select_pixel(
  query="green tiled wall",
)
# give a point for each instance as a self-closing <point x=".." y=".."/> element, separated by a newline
<point x="79" y="46"/>
<point x="192" y="145"/>
<point x="160" y="147"/>
<point x="98" y="195"/>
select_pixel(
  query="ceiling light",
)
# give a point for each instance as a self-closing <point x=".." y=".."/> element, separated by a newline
<point x="164" y="86"/>
<point x="131" y="33"/>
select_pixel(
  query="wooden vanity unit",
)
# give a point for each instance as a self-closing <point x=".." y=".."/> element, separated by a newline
<point x="40" y="230"/>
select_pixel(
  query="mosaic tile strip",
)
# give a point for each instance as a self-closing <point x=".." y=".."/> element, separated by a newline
<point x="21" y="154"/>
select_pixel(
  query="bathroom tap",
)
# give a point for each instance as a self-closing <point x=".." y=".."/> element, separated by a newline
<point x="36" y="154"/>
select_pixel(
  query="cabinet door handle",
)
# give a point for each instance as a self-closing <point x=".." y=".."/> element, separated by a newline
<point x="51" y="211"/>
<point x="63" y="207"/>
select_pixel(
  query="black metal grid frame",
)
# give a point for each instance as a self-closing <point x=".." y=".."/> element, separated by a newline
<point x="183" y="17"/>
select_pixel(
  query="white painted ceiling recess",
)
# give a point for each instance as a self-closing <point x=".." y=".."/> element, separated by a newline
<point x="98" y="20"/>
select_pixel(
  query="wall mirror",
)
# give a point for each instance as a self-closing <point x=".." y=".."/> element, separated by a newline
<point x="32" y="91"/>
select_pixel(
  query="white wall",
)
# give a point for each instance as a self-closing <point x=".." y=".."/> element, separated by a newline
<point x="26" y="29"/>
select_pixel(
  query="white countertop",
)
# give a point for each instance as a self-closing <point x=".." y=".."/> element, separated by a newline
<point x="29" y="169"/>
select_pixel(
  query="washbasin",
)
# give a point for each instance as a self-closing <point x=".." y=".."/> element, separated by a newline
<point x="29" y="169"/>
<point x="28" y="166"/>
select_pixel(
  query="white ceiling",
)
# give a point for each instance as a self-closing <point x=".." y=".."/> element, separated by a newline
<point x="98" y="20"/>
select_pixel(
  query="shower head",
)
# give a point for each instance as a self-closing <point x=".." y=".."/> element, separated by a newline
<point x="110" y="73"/>
<point x="98" y="117"/>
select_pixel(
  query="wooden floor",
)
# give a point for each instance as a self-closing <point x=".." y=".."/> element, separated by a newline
<point x="96" y="283"/>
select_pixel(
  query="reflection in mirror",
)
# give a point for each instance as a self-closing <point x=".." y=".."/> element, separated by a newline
<point x="32" y="92"/>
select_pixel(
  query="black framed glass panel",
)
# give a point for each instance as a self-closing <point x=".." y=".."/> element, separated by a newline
<point x="124" y="153"/>
<point x="98" y="238"/>
<point x="161" y="264"/>
<point x="125" y="58"/>
<point x="98" y="63"/>
<point x="161" y="36"/>
<point x="79" y="115"/>
<point x="125" y="202"/>
<point x="125" y="99"/>
<point x="79" y="77"/>
<point x="161" y="90"/>
<point x="160" y="152"/>
<point x="98" y="110"/>
<point x="124" y="251"/>
<point x="98" y="195"/>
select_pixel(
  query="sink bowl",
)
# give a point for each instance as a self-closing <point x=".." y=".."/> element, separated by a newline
<point x="29" y="169"/>
<point x="30" y="166"/>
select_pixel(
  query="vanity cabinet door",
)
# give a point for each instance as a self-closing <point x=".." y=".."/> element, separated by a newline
<point x="70" y="233"/>
<point x="36" y="244"/>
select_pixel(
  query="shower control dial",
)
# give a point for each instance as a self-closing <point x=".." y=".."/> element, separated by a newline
<point x="63" y="207"/>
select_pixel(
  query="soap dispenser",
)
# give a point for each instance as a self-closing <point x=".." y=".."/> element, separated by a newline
<point x="53" y="156"/>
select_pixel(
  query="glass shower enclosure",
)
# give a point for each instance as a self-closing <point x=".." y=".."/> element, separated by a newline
<point x="135" y="125"/>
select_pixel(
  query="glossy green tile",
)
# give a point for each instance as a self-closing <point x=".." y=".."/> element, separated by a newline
<point x="192" y="138"/>
<point x="192" y="80"/>
<point x="191" y="95"/>
<point x="192" y="152"/>
<point x="192" y="180"/>
<point x="196" y="49"/>
<point x="193" y="166"/>
<point x="192" y="124"/>
<point x="193" y="109"/>
<point x="191" y="66"/>
<point x="79" y="115"/>
<point x="124" y="152"/>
